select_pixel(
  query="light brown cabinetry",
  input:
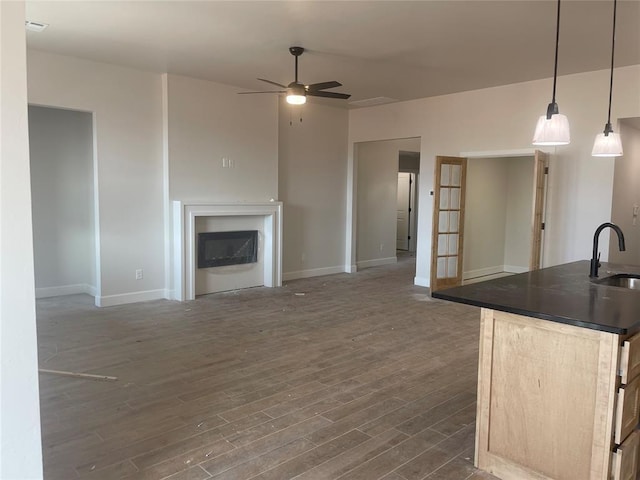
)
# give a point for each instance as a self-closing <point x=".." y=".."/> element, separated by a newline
<point x="552" y="403"/>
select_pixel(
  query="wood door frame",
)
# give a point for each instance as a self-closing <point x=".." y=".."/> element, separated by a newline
<point x="435" y="283"/>
<point x="540" y="171"/>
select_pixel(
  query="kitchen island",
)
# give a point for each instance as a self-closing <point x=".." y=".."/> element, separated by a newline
<point x="558" y="374"/>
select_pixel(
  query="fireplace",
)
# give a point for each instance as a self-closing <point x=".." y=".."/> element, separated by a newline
<point x="191" y="219"/>
<point x="218" y="249"/>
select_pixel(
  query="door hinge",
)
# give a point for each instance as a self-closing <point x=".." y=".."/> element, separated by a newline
<point x="409" y="237"/>
<point x="546" y="170"/>
<point x="409" y="209"/>
<point x="410" y="180"/>
<point x="542" y="226"/>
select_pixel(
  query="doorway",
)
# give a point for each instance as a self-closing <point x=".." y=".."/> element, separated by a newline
<point x="407" y="201"/>
<point x="63" y="201"/>
<point x="625" y="202"/>
<point x="380" y="228"/>
<point x="406" y="212"/>
<point x="493" y="225"/>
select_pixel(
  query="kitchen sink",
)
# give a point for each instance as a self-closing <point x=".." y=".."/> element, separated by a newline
<point x="622" y="280"/>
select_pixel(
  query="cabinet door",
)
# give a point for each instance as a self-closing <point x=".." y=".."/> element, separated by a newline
<point x="630" y="359"/>
<point x="625" y="458"/>
<point x="627" y="410"/>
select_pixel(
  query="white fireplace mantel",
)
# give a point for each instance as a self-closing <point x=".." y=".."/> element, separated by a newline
<point x="184" y="240"/>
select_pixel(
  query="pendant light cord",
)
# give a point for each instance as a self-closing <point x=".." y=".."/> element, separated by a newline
<point x="608" y="128"/>
<point x="555" y="66"/>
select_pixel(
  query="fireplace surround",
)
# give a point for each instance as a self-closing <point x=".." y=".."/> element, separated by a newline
<point x="185" y="240"/>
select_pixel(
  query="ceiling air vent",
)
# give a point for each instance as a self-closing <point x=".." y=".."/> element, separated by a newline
<point x="370" y="102"/>
<point x="35" y="26"/>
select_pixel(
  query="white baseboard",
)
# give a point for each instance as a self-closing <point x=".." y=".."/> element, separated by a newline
<point x="350" y="268"/>
<point x="483" y="272"/>
<point x="376" y="262"/>
<point x="124" y="298"/>
<point x="422" y="281"/>
<point x="312" y="272"/>
<point x="62" y="290"/>
<point x="515" y="269"/>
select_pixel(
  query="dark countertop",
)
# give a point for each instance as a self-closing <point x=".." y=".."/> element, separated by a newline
<point x="563" y="294"/>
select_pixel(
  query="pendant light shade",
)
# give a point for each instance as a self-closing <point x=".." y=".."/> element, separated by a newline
<point x="552" y="131"/>
<point x="553" y="128"/>
<point x="607" y="143"/>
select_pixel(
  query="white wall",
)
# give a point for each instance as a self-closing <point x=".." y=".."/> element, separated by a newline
<point x="208" y="121"/>
<point x="409" y="161"/>
<point x="626" y="194"/>
<point x="204" y="123"/>
<point x="127" y="107"/>
<point x="377" y="187"/>
<point x="503" y="118"/>
<point x="20" y="449"/>
<point x="485" y="216"/>
<point x="498" y="212"/>
<point x="61" y="151"/>
<point x="517" y="243"/>
<point x="312" y="186"/>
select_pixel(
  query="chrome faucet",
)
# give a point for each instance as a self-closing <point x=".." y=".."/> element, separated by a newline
<point x="595" y="259"/>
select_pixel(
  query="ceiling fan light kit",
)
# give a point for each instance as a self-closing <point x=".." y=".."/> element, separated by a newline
<point x="297" y="92"/>
<point x="553" y="128"/>
<point x="607" y="143"/>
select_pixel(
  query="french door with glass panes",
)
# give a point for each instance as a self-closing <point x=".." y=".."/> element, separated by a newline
<point x="448" y="222"/>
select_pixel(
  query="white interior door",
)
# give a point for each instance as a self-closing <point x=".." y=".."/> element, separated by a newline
<point x="403" y="211"/>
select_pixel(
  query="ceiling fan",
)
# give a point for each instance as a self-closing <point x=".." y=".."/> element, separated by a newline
<point x="297" y="92"/>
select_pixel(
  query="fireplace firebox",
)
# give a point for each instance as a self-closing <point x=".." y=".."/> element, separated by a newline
<point x="217" y="249"/>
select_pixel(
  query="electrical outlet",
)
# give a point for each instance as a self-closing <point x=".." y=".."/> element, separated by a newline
<point x="225" y="162"/>
<point x="381" y="247"/>
<point x="139" y="274"/>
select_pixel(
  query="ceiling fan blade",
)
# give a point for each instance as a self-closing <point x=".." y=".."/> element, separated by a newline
<point x="273" y="83"/>
<point x="322" y="86"/>
<point x="270" y="91"/>
<point x="343" y="96"/>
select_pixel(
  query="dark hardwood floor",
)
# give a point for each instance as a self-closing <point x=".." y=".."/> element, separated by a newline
<point x="359" y="376"/>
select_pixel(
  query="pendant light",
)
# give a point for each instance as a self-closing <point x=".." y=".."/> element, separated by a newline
<point x="607" y="143"/>
<point x="553" y="128"/>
